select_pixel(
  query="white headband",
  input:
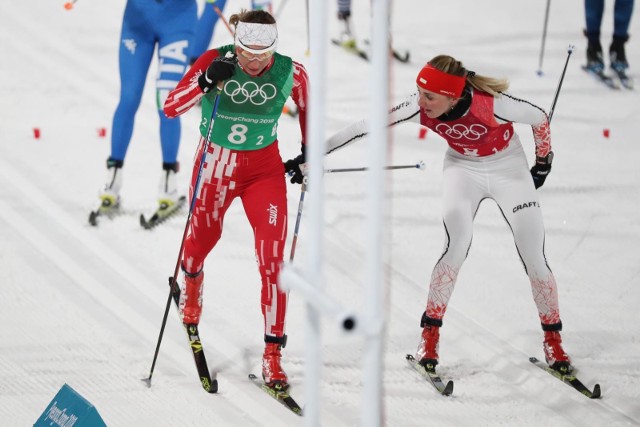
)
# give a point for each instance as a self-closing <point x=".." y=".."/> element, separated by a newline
<point x="248" y="33"/>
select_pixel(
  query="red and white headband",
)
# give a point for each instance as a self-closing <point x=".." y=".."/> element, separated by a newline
<point x="436" y="81"/>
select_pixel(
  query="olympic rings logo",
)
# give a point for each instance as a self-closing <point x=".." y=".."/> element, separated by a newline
<point x="459" y="131"/>
<point x="250" y="91"/>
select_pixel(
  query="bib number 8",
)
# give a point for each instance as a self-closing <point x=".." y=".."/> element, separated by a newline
<point x="238" y="134"/>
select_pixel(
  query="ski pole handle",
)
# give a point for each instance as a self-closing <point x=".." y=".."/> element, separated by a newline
<point x="420" y="165"/>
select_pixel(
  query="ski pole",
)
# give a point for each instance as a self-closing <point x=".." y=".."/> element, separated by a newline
<point x="419" y="165"/>
<point x="307" y="53"/>
<point x="544" y="37"/>
<point x="222" y="18"/>
<point x="303" y="190"/>
<point x="280" y="8"/>
<point x="194" y="197"/>
<point x="555" y="98"/>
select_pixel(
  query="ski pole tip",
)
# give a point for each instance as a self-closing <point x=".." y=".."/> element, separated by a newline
<point x="420" y="165"/>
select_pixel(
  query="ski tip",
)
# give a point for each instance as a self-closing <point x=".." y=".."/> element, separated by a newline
<point x="93" y="218"/>
<point x="148" y="224"/>
<point x="596" y="394"/>
<point x="213" y="388"/>
<point x="448" y="389"/>
<point x="403" y="58"/>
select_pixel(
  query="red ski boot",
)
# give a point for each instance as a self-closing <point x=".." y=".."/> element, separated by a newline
<point x="272" y="372"/>
<point x="191" y="298"/>
<point x="554" y="354"/>
<point x="427" y="353"/>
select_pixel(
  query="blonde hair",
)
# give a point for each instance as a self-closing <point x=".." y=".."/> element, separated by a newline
<point x="252" y="16"/>
<point x="454" y="67"/>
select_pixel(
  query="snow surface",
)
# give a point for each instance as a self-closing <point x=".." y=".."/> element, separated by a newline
<point x="83" y="305"/>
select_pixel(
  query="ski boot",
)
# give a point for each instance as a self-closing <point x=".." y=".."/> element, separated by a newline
<point x="619" y="63"/>
<point x="595" y="61"/>
<point x="272" y="372"/>
<point x="190" y="304"/>
<point x="169" y="201"/>
<point x="109" y="194"/>
<point x="617" y="54"/>
<point x="346" y="38"/>
<point x="168" y="187"/>
<point x="554" y="354"/>
<point x="427" y="353"/>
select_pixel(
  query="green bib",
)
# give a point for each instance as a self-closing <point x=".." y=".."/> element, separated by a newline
<point x="249" y="107"/>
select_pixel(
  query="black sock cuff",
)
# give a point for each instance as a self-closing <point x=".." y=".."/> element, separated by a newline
<point x="620" y="40"/>
<point x="554" y="327"/>
<point x="270" y="339"/>
<point x="186" y="273"/>
<point x="171" y="166"/>
<point x="113" y="163"/>
<point x="426" y="320"/>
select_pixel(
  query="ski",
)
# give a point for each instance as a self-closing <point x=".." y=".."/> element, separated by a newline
<point x="402" y="57"/>
<point x="108" y="208"/>
<point x="279" y="394"/>
<point x="209" y="384"/>
<point x="165" y="211"/>
<point x="568" y="379"/>
<point x="429" y="372"/>
<point x="623" y="77"/>
<point x="600" y="76"/>
<point x="352" y="47"/>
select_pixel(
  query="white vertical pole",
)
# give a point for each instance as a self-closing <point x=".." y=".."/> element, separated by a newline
<point x="317" y="11"/>
<point x="374" y="318"/>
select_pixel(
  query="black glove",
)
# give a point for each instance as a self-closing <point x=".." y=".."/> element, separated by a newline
<point x="541" y="169"/>
<point x="292" y="167"/>
<point x="220" y="69"/>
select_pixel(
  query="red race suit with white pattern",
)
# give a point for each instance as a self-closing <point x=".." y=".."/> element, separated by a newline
<point x="243" y="161"/>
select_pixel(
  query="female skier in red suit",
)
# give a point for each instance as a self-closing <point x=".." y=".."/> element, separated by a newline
<point x="243" y="161"/>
